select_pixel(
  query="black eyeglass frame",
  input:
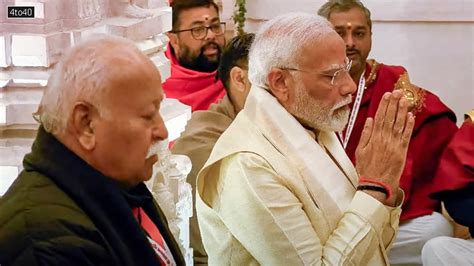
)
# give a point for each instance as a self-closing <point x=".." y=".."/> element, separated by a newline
<point x="222" y="25"/>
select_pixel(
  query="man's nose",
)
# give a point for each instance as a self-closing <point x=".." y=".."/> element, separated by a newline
<point x="348" y="85"/>
<point x="159" y="130"/>
<point x="349" y="41"/>
<point x="210" y="35"/>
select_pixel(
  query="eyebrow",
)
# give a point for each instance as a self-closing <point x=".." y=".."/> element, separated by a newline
<point x="201" y="22"/>
<point x="358" y="27"/>
<point x="333" y="67"/>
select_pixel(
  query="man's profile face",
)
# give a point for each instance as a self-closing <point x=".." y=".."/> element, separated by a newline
<point x="317" y="103"/>
<point x="200" y="55"/>
<point x="353" y="28"/>
<point x="133" y="124"/>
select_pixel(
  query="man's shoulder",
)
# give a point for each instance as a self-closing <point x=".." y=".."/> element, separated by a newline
<point x="36" y="212"/>
<point x="384" y="71"/>
<point x="243" y="139"/>
<point x="422" y="102"/>
<point x="203" y="129"/>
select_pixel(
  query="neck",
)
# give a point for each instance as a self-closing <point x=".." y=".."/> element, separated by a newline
<point x="356" y="76"/>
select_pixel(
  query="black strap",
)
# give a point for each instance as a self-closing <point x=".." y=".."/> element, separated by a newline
<point x="373" y="188"/>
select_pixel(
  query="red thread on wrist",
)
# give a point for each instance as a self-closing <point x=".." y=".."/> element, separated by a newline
<point x="380" y="183"/>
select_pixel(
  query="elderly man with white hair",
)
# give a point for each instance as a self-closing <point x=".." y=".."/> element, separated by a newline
<point x="278" y="188"/>
<point x="80" y="199"/>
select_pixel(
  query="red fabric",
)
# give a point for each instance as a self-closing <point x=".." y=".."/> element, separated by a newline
<point x="435" y="125"/>
<point x="193" y="88"/>
<point x="456" y="168"/>
<point x="149" y="227"/>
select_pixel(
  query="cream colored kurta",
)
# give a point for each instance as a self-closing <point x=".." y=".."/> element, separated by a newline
<point x="269" y="194"/>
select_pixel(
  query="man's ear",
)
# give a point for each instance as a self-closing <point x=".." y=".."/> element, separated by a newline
<point x="278" y="85"/>
<point x="174" y="42"/>
<point x="82" y="124"/>
<point x="237" y="79"/>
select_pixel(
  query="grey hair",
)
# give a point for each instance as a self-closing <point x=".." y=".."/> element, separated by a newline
<point x="280" y="42"/>
<point x="82" y="74"/>
<point x="343" y="6"/>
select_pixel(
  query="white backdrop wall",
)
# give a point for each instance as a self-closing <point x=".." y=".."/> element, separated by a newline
<point x="432" y="39"/>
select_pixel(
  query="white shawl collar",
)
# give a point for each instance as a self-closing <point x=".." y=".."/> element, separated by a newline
<point x="331" y="189"/>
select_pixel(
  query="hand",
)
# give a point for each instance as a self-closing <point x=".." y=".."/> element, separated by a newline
<point x="382" y="149"/>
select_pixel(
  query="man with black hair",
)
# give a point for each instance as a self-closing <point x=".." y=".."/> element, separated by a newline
<point x="205" y="127"/>
<point x="196" y="41"/>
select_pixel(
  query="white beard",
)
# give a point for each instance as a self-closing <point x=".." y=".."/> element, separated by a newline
<point x="317" y="114"/>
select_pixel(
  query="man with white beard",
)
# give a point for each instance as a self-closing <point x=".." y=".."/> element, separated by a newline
<point x="278" y="188"/>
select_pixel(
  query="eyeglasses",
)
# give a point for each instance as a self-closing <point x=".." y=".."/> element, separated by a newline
<point x="200" y="32"/>
<point x="335" y="78"/>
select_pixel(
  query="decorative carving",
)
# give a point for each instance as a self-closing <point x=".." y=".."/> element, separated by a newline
<point x="169" y="188"/>
<point x="128" y="8"/>
<point x="88" y="8"/>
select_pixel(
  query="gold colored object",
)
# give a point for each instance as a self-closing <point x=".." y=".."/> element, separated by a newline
<point x="470" y="114"/>
<point x="374" y="68"/>
<point x="415" y="95"/>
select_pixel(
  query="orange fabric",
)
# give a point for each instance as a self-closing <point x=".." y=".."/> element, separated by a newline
<point x="196" y="89"/>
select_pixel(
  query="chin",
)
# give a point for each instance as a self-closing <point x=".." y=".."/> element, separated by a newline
<point x="339" y="121"/>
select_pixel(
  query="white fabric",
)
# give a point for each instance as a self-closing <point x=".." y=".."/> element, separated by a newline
<point x="293" y="140"/>
<point x="412" y="236"/>
<point x="269" y="194"/>
<point x="448" y="251"/>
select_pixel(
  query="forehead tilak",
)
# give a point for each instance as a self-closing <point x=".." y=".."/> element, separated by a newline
<point x="348" y="25"/>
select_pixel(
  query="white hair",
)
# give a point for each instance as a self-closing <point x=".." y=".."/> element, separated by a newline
<point x="280" y="41"/>
<point x="83" y="74"/>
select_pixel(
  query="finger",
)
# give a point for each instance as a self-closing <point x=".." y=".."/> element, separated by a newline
<point x="391" y="113"/>
<point x="366" y="132"/>
<point x="401" y="117"/>
<point x="381" y="110"/>
<point x="410" y="124"/>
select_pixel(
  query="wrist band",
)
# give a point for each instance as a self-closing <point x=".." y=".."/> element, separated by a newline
<point x="379" y="183"/>
<point x="373" y="188"/>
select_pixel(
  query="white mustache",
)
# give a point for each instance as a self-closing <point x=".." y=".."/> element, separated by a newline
<point x="342" y="103"/>
<point x="154" y="149"/>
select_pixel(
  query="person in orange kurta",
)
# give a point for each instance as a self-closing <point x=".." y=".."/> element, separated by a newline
<point x="435" y="126"/>
<point x="196" y="41"/>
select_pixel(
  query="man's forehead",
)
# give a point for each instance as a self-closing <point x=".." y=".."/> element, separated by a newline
<point x="353" y="18"/>
<point x="199" y="15"/>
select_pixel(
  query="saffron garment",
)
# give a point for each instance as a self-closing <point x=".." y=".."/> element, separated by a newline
<point x="196" y="89"/>
<point x="456" y="175"/>
<point x="457" y="161"/>
<point x="435" y="125"/>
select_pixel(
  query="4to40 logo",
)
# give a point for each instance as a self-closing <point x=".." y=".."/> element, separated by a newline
<point x="20" y="12"/>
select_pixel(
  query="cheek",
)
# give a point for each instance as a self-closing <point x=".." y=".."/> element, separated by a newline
<point x="191" y="46"/>
<point x="221" y="41"/>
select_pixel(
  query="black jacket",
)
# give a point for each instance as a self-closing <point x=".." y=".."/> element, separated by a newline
<point x="61" y="211"/>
